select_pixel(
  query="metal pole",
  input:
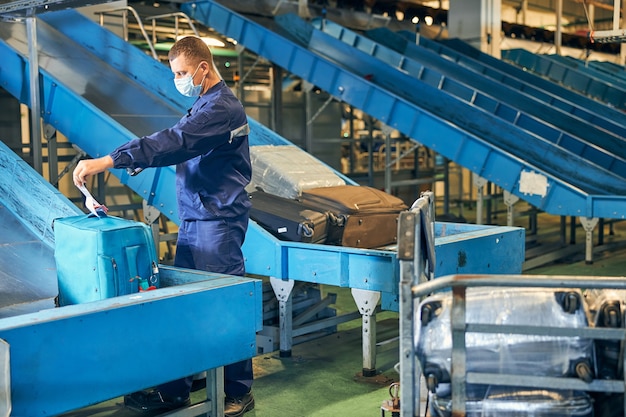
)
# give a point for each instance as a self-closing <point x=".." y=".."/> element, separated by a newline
<point x="623" y="45"/>
<point x="277" y="99"/>
<point x="35" y="97"/>
<point x="558" y="34"/>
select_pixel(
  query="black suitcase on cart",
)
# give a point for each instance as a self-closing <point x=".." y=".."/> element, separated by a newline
<point x="607" y="310"/>
<point x="501" y="401"/>
<point x="607" y="307"/>
<point x="288" y="219"/>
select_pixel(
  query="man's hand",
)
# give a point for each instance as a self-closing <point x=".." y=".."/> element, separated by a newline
<point x="88" y="167"/>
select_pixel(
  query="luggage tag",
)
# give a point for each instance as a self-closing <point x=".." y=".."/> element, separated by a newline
<point x="95" y="208"/>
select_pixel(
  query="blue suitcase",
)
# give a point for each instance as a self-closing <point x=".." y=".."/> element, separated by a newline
<point x="103" y="257"/>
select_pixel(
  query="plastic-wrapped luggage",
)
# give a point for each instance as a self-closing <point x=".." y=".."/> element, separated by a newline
<point x="607" y="308"/>
<point x="287" y="170"/>
<point x="501" y="401"/>
<point x="288" y="219"/>
<point x="505" y="353"/>
<point x="103" y="257"/>
<point x="358" y="216"/>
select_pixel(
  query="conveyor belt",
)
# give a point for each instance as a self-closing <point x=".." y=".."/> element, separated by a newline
<point x="462" y="52"/>
<point x="600" y="89"/>
<point x="612" y="68"/>
<point x="597" y="146"/>
<point x="590" y="70"/>
<point x="75" y="50"/>
<point x="27" y="268"/>
<point x="568" y="185"/>
<point x="51" y="348"/>
<point x="499" y="72"/>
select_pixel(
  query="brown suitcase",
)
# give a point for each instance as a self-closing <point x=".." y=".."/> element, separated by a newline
<point x="359" y="216"/>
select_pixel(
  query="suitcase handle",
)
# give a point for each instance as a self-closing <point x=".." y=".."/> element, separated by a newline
<point x="305" y="229"/>
<point x="338" y="220"/>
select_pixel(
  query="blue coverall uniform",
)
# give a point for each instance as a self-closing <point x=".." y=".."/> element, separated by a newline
<point x="209" y="146"/>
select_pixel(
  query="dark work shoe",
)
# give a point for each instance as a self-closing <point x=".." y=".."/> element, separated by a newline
<point x="237" y="406"/>
<point x="143" y="401"/>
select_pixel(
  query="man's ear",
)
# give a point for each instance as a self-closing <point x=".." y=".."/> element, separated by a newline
<point x="206" y="67"/>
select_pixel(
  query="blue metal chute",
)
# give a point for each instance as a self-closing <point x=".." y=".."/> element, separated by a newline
<point x="97" y="132"/>
<point x="468" y="120"/>
<point x="89" y="112"/>
<point x="111" y="339"/>
<point x="500" y="76"/>
<point x="584" y="67"/>
<point x="575" y="135"/>
<point x="344" y="76"/>
<point x="458" y="247"/>
<point x="560" y="96"/>
<point x="110" y="103"/>
<point x="105" y="349"/>
<point x="476" y="113"/>
<point x="611" y="68"/>
<point x="596" y="88"/>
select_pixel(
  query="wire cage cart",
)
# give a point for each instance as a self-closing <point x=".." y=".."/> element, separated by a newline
<point x="417" y="261"/>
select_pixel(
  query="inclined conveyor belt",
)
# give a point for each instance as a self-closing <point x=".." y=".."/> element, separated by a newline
<point x="500" y="72"/>
<point x="589" y="70"/>
<point x="44" y="350"/>
<point x="460" y="51"/>
<point x="571" y="133"/>
<point x="598" y="88"/>
<point x="100" y="91"/>
<point x="611" y="68"/>
<point x="532" y="168"/>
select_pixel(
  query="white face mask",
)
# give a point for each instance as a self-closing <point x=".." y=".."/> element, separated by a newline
<point x="185" y="85"/>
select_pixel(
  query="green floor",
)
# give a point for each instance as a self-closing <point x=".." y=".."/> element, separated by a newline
<point x="322" y="378"/>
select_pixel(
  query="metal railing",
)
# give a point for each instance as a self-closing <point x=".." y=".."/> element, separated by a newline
<point x="124" y="16"/>
<point x="177" y="17"/>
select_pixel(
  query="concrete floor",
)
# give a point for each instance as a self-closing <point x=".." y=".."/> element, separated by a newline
<point x="322" y="378"/>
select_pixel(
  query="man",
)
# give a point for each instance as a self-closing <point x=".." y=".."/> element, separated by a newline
<point x="209" y="147"/>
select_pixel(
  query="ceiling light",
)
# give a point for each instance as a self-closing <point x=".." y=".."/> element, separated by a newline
<point x="213" y="42"/>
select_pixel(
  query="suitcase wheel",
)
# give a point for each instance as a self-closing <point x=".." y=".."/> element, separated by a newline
<point x="429" y="312"/>
<point x="582" y="369"/>
<point x="433" y="376"/>
<point x="569" y="301"/>
<point x="611" y="315"/>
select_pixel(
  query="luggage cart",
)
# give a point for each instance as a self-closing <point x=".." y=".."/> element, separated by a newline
<point x="416" y="270"/>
